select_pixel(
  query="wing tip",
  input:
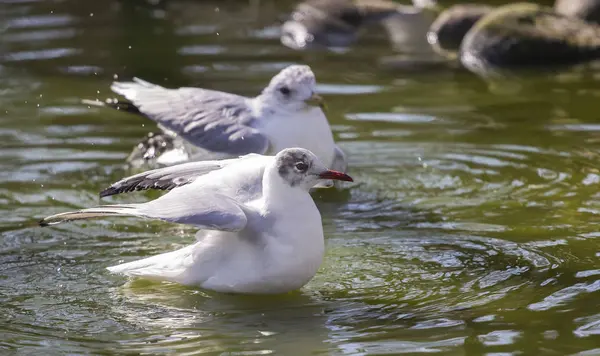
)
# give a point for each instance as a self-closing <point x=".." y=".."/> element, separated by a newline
<point x="108" y="192"/>
<point x="114" y="190"/>
<point x="50" y="221"/>
<point x="43" y="223"/>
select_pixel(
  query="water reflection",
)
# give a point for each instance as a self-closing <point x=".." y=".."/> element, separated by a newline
<point x="200" y="322"/>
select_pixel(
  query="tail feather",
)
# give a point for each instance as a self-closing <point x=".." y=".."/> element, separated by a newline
<point x="91" y="213"/>
<point x="145" y="83"/>
<point x="131" y="90"/>
<point x="169" y="266"/>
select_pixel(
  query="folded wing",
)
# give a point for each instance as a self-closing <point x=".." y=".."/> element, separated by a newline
<point x="212" y="120"/>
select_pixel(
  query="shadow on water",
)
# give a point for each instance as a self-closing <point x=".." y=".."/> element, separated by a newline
<point x="472" y="226"/>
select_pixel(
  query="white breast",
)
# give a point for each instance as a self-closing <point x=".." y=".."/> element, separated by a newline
<point x="283" y="258"/>
<point x="296" y="258"/>
<point x="305" y="129"/>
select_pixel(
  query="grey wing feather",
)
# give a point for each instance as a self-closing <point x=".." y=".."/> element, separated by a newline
<point x="199" y="207"/>
<point x="163" y="178"/>
<point x="168" y="178"/>
<point x="212" y="120"/>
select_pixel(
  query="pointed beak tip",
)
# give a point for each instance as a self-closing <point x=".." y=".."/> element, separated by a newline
<point x="317" y="100"/>
<point x="335" y="175"/>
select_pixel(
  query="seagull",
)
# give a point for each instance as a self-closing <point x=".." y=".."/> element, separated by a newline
<point x="262" y="243"/>
<point x="201" y="124"/>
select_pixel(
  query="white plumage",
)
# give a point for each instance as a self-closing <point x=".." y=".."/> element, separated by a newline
<point x="261" y="231"/>
<point x="206" y="124"/>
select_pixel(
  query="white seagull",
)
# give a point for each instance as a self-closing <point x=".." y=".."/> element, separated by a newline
<point x="201" y="124"/>
<point x="265" y="238"/>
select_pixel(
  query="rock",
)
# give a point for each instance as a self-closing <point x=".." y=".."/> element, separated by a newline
<point x="588" y="10"/>
<point x="528" y="35"/>
<point x="448" y="30"/>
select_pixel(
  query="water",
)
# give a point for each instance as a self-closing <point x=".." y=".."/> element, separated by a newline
<point x="472" y="229"/>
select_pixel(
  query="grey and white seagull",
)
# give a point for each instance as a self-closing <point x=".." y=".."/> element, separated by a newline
<point x="267" y="238"/>
<point x="201" y="124"/>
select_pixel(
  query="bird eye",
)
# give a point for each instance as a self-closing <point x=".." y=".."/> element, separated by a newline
<point x="301" y="166"/>
<point x="284" y="90"/>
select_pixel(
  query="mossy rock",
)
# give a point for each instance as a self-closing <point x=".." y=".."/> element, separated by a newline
<point x="450" y="27"/>
<point x="588" y="10"/>
<point x="528" y="35"/>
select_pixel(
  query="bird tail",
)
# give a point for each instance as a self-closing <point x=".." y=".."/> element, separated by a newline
<point x="91" y="213"/>
<point x="169" y="266"/>
<point x="130" y="90"/>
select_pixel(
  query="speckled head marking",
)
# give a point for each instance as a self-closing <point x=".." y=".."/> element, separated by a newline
<point x="292" y="87"/>
<point x="294" y="75"/>
<point x="299" y="167"/>
<point x="294" y="165"/>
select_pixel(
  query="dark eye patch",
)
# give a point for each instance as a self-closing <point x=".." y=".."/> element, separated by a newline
<point x="301" y="166"/>
<point x="285" y="90"/>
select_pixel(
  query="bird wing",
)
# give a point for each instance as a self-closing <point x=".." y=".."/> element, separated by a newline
<point x="165" y="178"/>
<point x="211" y="120"/>
<point x="202" y="208"/>
<point x="171" y="177"/>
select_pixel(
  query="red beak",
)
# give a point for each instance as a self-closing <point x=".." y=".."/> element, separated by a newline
<point x="335" y="175"/>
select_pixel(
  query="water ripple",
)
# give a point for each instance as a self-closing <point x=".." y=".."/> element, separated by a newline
<point x="40" y="21"/>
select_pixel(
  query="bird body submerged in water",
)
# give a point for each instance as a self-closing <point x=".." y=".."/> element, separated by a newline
<point x="201" y="124"/>
<point x="266" y="238"/>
